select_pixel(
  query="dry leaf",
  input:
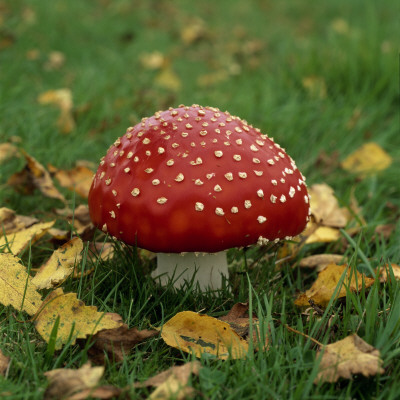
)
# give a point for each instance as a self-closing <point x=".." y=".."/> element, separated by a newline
<point x="320" y="234"/>
<point x="11" y="222"/>
<point x="60" y="265"/>
<point x="197" y="333"/>
<point x="62" y="98"/>
<point x="77" y="179"/>
<point x="7" y="150"/>
<point x="65" y="382"/>
<point x="79" y="218"/>
<point x="325" y="285"/>
<point x="117" y="343"/>
<point x="348" y="357"/>
<point x="55" y="60"/>
<point x="320" y="261"/>
<point x="193" y="31"/>
<point x="4" y="363"/>
<point x="384" y="272"/>
<point x="153" y="60"/>
<point x="16" y="288"/>
<point x="17" y="242"/>
<point x="368" y="159"/>
<point x="34" y="175"/>
<point x="172" y="383"/>
<point x="85" y="320"/>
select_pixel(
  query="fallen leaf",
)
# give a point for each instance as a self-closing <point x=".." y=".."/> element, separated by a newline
<point x="65" y="382"/>
<point x="384" y="272"/>
<point x="315" y="86"/>
<point x="172" y="383"/>
<point x="34" y="175"/>
<point x="101" y="250"/>
<point x="168" y="79"/>
<point x="197" y="333"/>
<point x="193" y="31"/>
<point x="368" y="159"/>
<point x="16" y="288"/>
<point x="341" y="26"/>
<point x="7" y="151"/>
<point x="117" y="343"/>
<point x="325" y="285"/>
<point x="11" y="222"/>
<point x="79" y="219"/>
<point x="62" y="98"/>
<point x="320" y="234"/>
<point x="346" y="358"/>
<point x="320" y="261"/>
<point x="55" y="61"/>
<point x="73" y="314"/>
<point x="60" y="265"/>
<point x="77" y="179"/>
<point x="153" y="60"/>
<point x="4" y="363"/>
<point x="17" y="242"/>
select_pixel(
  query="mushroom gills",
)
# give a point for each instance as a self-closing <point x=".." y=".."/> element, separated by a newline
<point x="206" y="269"/>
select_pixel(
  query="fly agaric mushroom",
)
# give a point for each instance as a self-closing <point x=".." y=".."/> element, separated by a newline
<point x="195" y="179"/>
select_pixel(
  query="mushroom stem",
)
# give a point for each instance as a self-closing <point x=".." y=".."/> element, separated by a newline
<point x="208" y="269"/>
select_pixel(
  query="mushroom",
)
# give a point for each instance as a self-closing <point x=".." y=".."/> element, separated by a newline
<point x="193" y="180"/>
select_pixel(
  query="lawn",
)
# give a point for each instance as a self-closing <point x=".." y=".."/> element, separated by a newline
<point x="320" y="78"/>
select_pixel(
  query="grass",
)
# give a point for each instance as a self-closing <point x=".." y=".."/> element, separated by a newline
<point x="252" y="58"/>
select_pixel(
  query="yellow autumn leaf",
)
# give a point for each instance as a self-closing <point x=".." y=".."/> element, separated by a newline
<point x="385" y="272"/>
<point x="17" y="242"/>
<point x="348" y="357"/>
<point x="326" y="284"/>
<point x="72" y="314"/>
<point x="322" y="234"/>
<point x="7" y="150"/>
<point x="11" y="222"/>
<point x="320" y="261"/>
<point x="62" y="98"/>
<point x="60" y="265"/>
<point x="16" y="288"/>
<point x="168" y="79"/>
<point x="368" y="159"/>
<point x="77" y="179"/>
<point x="197" y="333"/>
<point x="66" y="382"/>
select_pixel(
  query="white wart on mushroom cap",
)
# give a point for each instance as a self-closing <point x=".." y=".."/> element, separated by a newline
<point x="197" y="179"/>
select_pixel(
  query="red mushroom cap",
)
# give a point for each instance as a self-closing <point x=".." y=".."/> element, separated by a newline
<point x="197" y="179"/>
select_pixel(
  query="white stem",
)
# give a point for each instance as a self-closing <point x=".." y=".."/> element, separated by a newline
<point x="209" y="269"/>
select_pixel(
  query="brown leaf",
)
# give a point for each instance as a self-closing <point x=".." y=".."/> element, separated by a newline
<point x="101" y="392"/>
<point x="172" y="383"/>
<point x="7" y="150"/>
<point x="73" y="314"/>
<point x="197" y="333"/>
<point x="79" y="218"/>
<point x="4" y="363"/>
<point x="348" y="357"/>
<point x="65" y="382"/>
<point x="168" y="79"/>
<point x="117" y="343"/>
<point x="11" y="222"/>
<point x="320" y="261"/>
<point x="384" y="272"/>
<point x="77" y="179"/>
<point x="325" y="285"/>
<point x="368" y="159"/>
<point x="34" y="175"/>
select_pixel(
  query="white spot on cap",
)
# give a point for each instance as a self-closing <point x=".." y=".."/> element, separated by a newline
<point x="237" y="157"/>
<point x="180" y="177"/>
<point x="218" y="153"/>
<point x="108" y="181"/>
<point x="219" y="211"/>
<point x="292" y="191"/>
<point x="198" y="182"/>
<point x="211" y="175"/>
<point x="112" y="213"/>
<point x="199" y="206"/>
<point x="281" y="155"/>
<point x="129" y="155"/>
<point x="155" y="182"/>
<point x="229" y="176"/>
<point x="260" y="193"/>
<point x="234" y="210"/>
<point x="188" y="126"/>
<point x="217" y="188"/>
<point x="242" y="175"/>
<point x="261" y="219"/>
<point x="170" y="162"/>
<point x="175" y="145"/>
<point x="256" y="160"/>
<point x="201" y="112"/>
<point x="184" y="134"/>
<point x="253" y="148"/>
<point x="203" y="133"/>
<point x="104" y="228"/>
<point x="149" y="170"/>
<point x="161" y="150"/>
<point x="136" y="159"/>
<point x="102" y="175"/>
<point x="162" y="200"/>
<point x="282" y="199"/>
<point x="274" y="182"/>
<point x="135" y="192"/>
<point x="127" y="169"/>
<point x="271" y="161"/>
<point x="260" y="142"/>
<point x="247" y="204"/>
<point x="239" y="141"/>
<point x="306" y="199"/>
<point x="114" y="192"/>
<point x="273" y="198"/>
<point x="258" y="173"/>
<point x="146" y="141"/>
<point x="262" y="241"/>
<point x="282" y="180"/>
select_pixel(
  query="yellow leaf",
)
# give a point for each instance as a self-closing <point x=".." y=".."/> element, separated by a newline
<point x="16" y="288"/>
<point x="348" y="357"/>
<point x="153" y="60"/>
<point x="323" y="234"/>
<point x="60" y="265"/>
<point x="168" y="79"/>
<point x="197" y="333"/>
<point x="7" y="150"/>
<point x="62" y="98"/>
<point x="85" y="320"/>
<point x="4" y="363"/>
<point x="368" y="159"/>
<point x="325" y="285"/>
<point x="65" y="382"/>
<point x="384" y="272"/>
<point x="11" y="222"/>
<point x="18" y="241"/>
<point x="320" y="261"/>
